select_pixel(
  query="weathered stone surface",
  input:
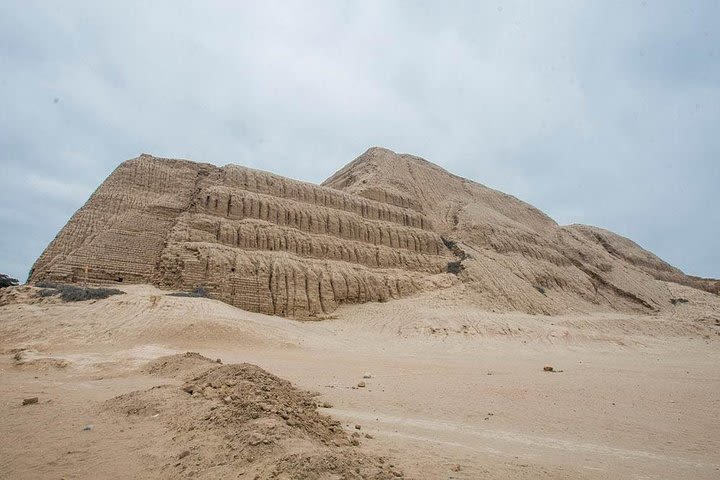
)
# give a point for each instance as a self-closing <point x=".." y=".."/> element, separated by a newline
<point x="385" y="226"/>
<point x="256" y="240"/>
<point x="512" y="255"/>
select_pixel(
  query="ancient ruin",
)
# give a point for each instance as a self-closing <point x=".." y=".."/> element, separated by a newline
<point x="385" y="226"/>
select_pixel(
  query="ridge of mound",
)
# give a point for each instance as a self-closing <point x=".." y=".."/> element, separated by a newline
<point x="385" y="226"/>
<point x="512" y="255"/>
<point x="239" y="419"/>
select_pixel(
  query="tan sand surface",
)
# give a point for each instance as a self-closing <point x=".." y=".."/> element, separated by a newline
<point x="453" y="391"/>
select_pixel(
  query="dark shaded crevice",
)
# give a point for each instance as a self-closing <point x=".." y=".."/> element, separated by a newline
<point x="455" y="267"/>
<point x="270" y="287"/>
<point x="598" y="280"/>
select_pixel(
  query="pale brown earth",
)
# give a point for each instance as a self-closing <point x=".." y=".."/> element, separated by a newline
<point x="462" y="331"/>
<point x="384" y="227"/>
<point x="454" y="391"/>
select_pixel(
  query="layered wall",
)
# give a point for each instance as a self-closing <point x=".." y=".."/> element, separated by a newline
<point x="384" y="226"/>
<point x="256" y="240"/>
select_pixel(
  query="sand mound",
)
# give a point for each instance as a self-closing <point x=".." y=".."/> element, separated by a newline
<point x="512" y="255"/>
<point x="42" y="364"/>
<point x="27" y="359"/>
<point x="179" y="366"/>
<point x="25" y="294"/>
<point x="244" y="421"/>
<point x="384" y="227"/>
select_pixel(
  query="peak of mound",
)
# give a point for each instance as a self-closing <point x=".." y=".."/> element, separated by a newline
<point x="242" y="420"/>
<point x="386" y="225"/>
<point x="411" y="182"/>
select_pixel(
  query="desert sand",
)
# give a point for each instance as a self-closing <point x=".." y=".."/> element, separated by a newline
<point x="396" y="321"/>
<point x="454" y="391"/>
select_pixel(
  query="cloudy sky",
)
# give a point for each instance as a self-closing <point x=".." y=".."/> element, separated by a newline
<point x="606" y="112"/>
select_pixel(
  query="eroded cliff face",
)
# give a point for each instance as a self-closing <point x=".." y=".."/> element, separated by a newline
<point x="513" y="256"/>
<point x="256" y="240"/>
<point x="385" y="226"/>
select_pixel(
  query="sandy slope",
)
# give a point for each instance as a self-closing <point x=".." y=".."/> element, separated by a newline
<point x="384" y="227"/>
<point x="455" y="392"/>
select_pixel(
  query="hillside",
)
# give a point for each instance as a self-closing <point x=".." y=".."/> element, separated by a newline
<point x="383" y="227"/>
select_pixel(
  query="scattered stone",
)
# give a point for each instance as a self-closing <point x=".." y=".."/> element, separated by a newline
<point x="217" y="360"/>
<point x="357" y="427"/>
<point x="255" y="439"/>
<point x="184" y="454"/>
<point x="327" y="405"/>
<point x="548" y="368"/>
<point x="88" y="427"/>
<point x="367" y="435"/>
<point x="361" y="384"/>
<point x="367" y="375"/>
<point x="30" y="401"/>
<point x="456" y="468"/>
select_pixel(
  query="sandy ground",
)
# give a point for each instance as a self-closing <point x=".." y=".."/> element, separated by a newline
<point x="454" y="392"/>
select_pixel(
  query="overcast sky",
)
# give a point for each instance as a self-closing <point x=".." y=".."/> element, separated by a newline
<point x="605" y="113"/>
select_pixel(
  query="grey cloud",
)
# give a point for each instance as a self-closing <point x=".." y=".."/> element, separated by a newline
<point x="601" y="112"/>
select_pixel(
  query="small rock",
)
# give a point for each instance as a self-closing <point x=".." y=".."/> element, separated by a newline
<point x="227" y="399"/>
<point x="456" y="468"/>
<point x="354" y="442"/>
<point x="30" y="401"/>
<point x="361" y="384"/>
<point x="188" y="388"/>
<point x="367" y="375"/>
<point x="357" y="427"/>
<point x="184" y="454"/>
<point x="548" y="368"/>
<point x="217" y="360"/>
<point x="326" y="405"/>
<point x="88" y="427"/>
<point x="367" y="435"/>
